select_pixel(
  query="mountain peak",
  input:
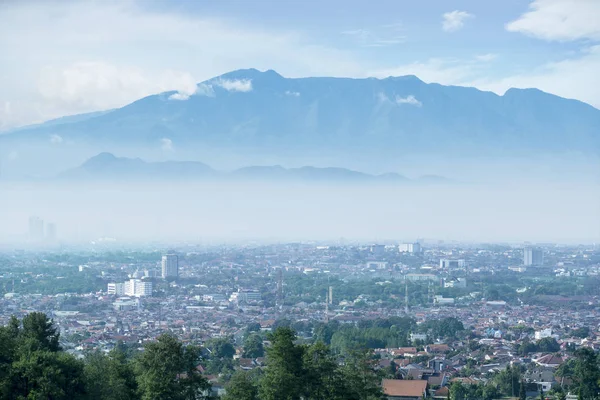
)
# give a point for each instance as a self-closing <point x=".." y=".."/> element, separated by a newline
<point x="251" y="73"/>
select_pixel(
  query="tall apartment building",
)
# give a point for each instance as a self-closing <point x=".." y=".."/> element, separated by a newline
<point x="170" y="266"/>
<point x="138" y="288"/>
<point x="409" y="248"/>
<point x="117" y="289"/>
<point x="533" y="256"/>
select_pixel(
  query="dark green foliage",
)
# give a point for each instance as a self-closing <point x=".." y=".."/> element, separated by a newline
<point x="253" y="347"/>
<point x="284" y="375"/>
<point x="582" y="332"/>
<point x="32" y="366"/>
<point x="110" y="377"/>
<point x="390" y="332"/>
<point x="167" y="370"/>
<point x="361" y="380"/>
<point x="241" y="387"/>
<point x="38" y="333"/>
<point x="220" y="348"/>
<point x="548" y="345"/>
<point x="522" y="391"/>
<point x="587" y="374"/>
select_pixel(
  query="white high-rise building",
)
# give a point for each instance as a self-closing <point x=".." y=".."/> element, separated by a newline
<point x="138" y="288"/>
<point x="533" y="256"/>
<point x="36" y="229"/>
<point x="409" y="248"/>
<point x="51" y="232"/>
<point x="170" y="266"/>
<point x="117" y="289"/>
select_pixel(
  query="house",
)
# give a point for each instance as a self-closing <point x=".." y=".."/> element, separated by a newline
<point x="395" y="389"/>
<point x="437" y="348"/>
<point x="442" y="393"/>
<point x="549" y="361"/>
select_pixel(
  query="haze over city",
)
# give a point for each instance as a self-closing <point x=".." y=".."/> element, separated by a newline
<point x="300" y="200"/>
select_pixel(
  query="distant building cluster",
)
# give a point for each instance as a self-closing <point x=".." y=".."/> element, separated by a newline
<point x="39" y="232"/>
<point x="133" y="287"/>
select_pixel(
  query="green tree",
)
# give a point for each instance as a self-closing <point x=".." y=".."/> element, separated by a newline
<point x="358" y="373"/>
<point x="253" y="346"/>
<point x="548" y="345"/>
<point x="47" y="375"/>
<point x="167" y="370"/>
<point x="241" y="387"/>
<point x="220" y="348"/>
<point x="323" y="379"/>
<point x="284" y="373"/>
<point x="458" y="391"/>
<point x="110" y="377"/>
<point x="38" y="333"/>
<point x="587" y="373"/>
<point x="522" y="391"/>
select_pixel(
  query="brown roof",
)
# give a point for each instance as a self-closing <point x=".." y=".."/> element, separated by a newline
<point x="406" y="388"/>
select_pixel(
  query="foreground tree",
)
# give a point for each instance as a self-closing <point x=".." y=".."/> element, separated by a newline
<point x="284" y="374"/>
<point x="47" y="375"/>
<point x="253" y="346"/>
<point x="110" y="377"/>
<point x="361" y="380"/>
<point x="167" y="370"/>
<point x="241" y="387"/>
<point x="587" y="374"/>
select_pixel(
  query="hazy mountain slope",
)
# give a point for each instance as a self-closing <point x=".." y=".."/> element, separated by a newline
<point x="107" y="167"/>
<point x="401" y="113"/>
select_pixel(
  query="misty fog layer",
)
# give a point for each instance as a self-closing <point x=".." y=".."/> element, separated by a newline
<point x="565" y="213"/>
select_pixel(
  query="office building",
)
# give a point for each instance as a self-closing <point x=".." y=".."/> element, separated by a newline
<point x="170" y="266"/>
<point x="448" y="264"/>
<point x="36" y="229"/>
<point x="116" y="289"/>
<point x="137" y="288"/>
<point x="377" y="249"/>
<point x="51" y="232"/>
<point x="412" y="248"/>
<point x="533" y="256"/>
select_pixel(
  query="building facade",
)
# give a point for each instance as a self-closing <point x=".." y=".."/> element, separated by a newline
<point x="170" y="266"/>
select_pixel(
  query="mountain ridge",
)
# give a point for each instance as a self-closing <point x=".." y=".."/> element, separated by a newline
<point x="249" y="117"/>
<point x="108" y="167"/>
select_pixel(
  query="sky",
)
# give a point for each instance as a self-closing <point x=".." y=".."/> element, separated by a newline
<point x="67" y="57"/>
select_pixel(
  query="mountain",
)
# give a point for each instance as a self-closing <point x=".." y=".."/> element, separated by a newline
<point x="249" y="108"/>
<point x="107" y="167"/>
<point x="249" y="117"/>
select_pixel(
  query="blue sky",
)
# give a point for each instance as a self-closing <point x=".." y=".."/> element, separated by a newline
<point x="66" y="57"/>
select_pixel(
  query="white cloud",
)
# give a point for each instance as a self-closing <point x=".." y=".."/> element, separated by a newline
<point x="455" y="20"/>
<point x="560" y="20"/>
<point x="575" y="78"/>
<point x="60" y="73"/>
<point x="166" y="144"/>
<point x="448" y="71"/>
<point x="56" y="139"/>
<point x="202" y="89"/>
<point x="486" y="57"/>
<point x="293" y="94"/>
<point x="235" y="85"/>
<point x="382" y="98"/>
<point x="12" y="155"/>
<point x="410" y="99"/>
<point x="383" y="36"/>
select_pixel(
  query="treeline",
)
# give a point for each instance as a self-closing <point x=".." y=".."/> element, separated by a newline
<point x="308" y="372"/>
<point x="34" y="366"/>
<point x="384" y="333"/>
